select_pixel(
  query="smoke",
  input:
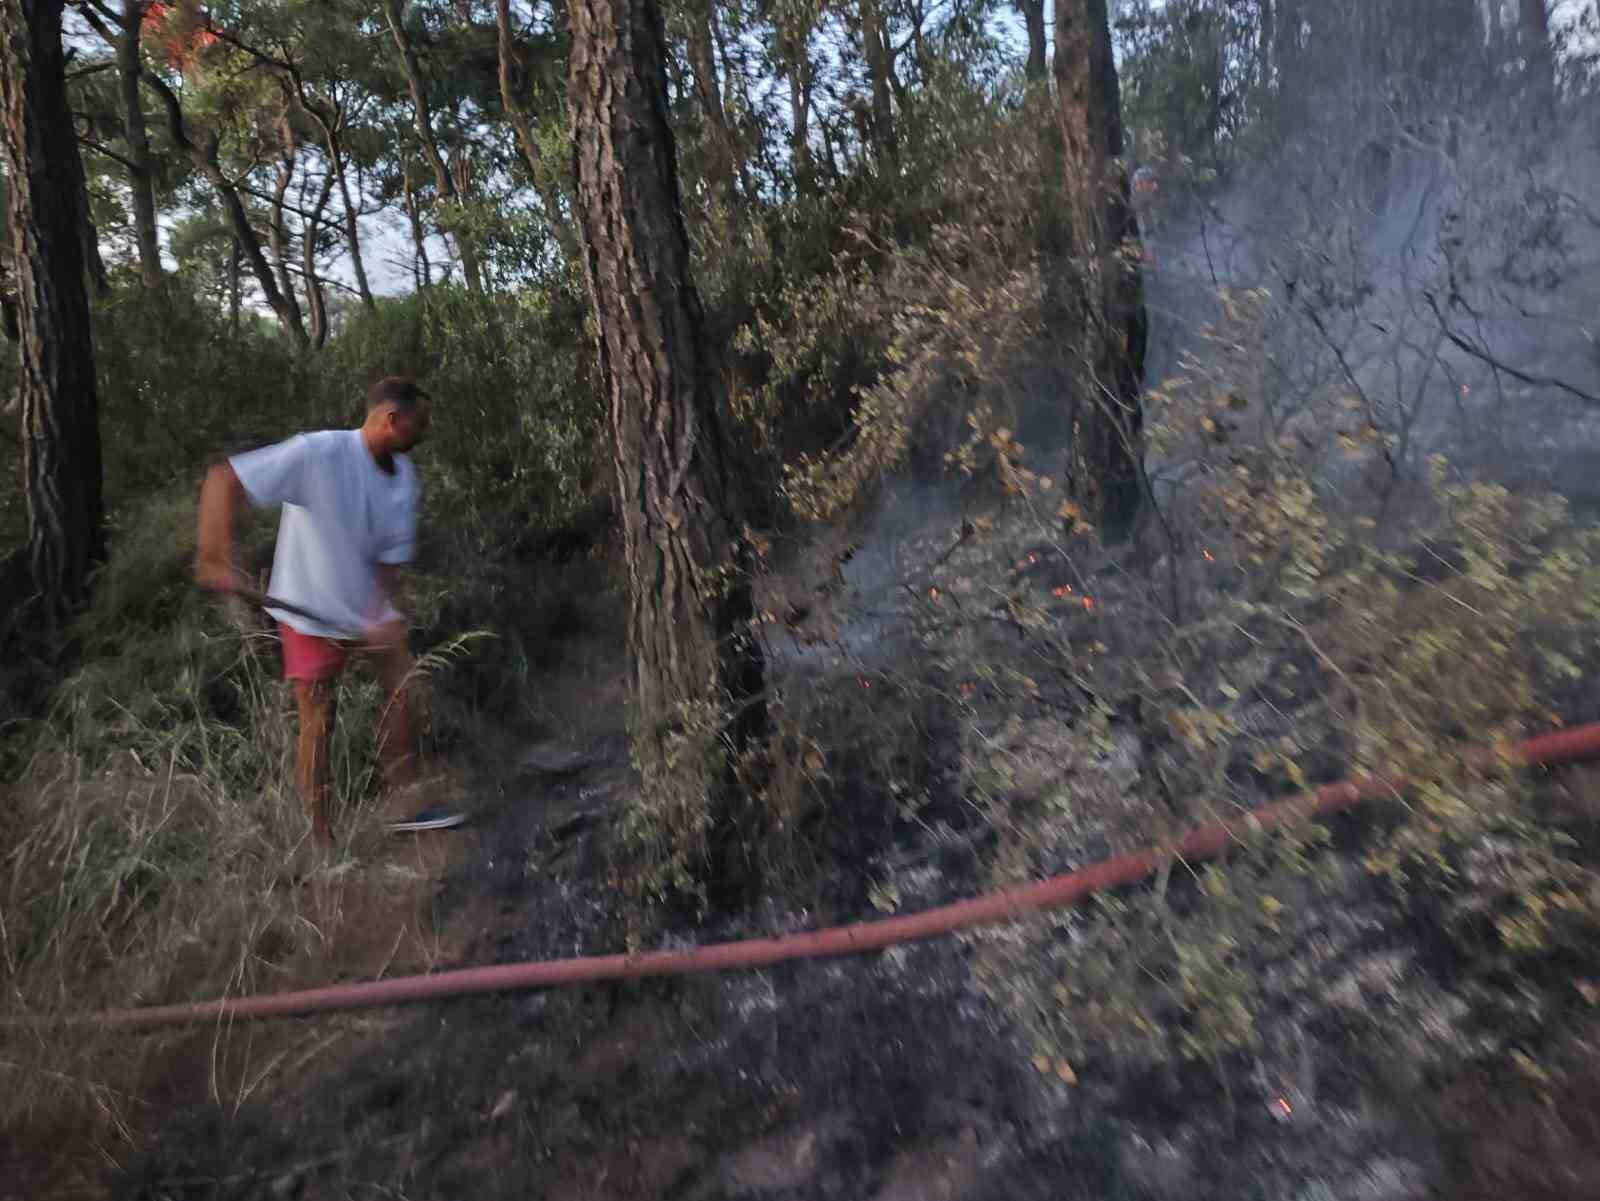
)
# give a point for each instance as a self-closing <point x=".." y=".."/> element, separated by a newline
<point x="1441" y="277"/>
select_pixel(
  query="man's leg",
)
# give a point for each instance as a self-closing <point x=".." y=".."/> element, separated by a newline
<point x="312" y="665"/>
<point x="397" y="742"/>
<point x="315" y="701"/>
<point x="398" y="760"/>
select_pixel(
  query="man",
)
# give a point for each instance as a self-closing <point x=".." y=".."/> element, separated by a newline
<point x="349" y="522"/>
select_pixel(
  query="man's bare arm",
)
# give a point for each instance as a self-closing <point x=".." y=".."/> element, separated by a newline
<point x="391" y="578"/>
<point x="219" y="501"/>
<point x="391" y="633"/>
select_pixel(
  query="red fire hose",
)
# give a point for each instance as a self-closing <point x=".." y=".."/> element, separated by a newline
<point x="1562" y="746"/>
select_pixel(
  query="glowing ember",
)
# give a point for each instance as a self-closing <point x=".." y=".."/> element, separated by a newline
<point x="1283" y="1107"/>
<point x="1088" y="602"/>
<point x="1064" y="590"/>
<point x="866" y="683"/>
<point x="1210" y="558"/>
<point x="933" y="594"/>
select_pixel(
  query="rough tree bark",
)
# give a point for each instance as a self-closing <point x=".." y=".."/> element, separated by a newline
<point x="695" y="670"/>
<point x="422" y="120"/>
<point x="56" y="382"/>
<point x="1107" y="417"/>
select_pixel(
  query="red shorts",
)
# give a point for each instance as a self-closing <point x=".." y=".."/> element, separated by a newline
<point x="307" y="657"/>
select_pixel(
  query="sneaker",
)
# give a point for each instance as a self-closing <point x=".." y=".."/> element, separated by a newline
<point x="435" y="817"/>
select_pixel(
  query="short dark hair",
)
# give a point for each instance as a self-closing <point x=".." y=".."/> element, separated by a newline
<point x="401" y="391"/>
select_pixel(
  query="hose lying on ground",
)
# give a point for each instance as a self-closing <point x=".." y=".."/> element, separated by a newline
<point x="1207" y="841"/>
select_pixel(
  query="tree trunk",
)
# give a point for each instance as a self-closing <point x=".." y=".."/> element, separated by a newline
<point x="1051" y="241"/>
<point x="310" y="236"/>
<point x="726" y="159"/>
<point x="1107" y="418"/>
<point x="141" y="174"/>
<point x="352" y="233"/>
<point x="421" y="268"/>
<point x="334" y="145"/>
<point x="801" y="74"/>
<point x="695" y="669"/>
<point x="277" y="232"/>
<point x="235" y="257"/>
<point x="879" y="67"/>
<point x="1038" y="47"/>
<point x="422" y="120"/>
<point x="56" y="382"/>
<point x="549" y="196"/>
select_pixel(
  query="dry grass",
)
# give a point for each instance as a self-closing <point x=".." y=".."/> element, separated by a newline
<point x="155" y="851"/>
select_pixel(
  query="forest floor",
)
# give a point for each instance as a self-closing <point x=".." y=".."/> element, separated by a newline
<point x="1390" y="1066"/>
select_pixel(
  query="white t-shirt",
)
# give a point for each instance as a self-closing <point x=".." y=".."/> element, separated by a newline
<point x="342" y="516"/>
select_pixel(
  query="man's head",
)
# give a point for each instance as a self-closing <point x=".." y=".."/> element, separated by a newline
<point x="397" y="415"/>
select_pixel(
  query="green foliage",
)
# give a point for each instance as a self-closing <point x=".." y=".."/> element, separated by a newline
<point x="512" y="450"/>
<point x="176" y="385"/>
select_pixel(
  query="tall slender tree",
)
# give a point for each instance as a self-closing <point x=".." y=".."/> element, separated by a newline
<point x="56" y="382"/>
<point x="522" y="127"/>
<point x="1108" y="415"/>
<point x="446" y="181"/>
<point x="696" y="671"/>
<point x="141" y="163"/>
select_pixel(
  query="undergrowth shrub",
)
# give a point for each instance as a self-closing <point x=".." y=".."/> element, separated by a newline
<point x="176" y="386"/>
<point x="1312" y="628"/>
<point x="512" y="471"/>
<point x="155" y="847"/>
<point x="511" y="453"/>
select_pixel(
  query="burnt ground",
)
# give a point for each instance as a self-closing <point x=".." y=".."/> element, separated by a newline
<point x="1393" y="1063"/>
<point x="1409" y="1071"/>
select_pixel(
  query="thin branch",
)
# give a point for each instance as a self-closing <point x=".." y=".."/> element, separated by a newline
<point x="297" y="270"/>
<point x="258" y="194"/>
<point x="1477" y="352"/>
<point x="90" y="7"/>
<point x="91" y="144"/>
<point x="91" y="69"/>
